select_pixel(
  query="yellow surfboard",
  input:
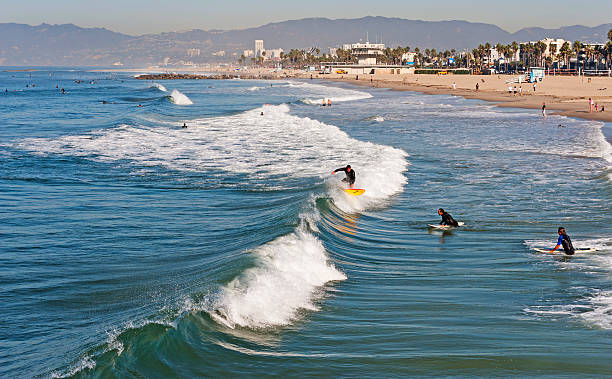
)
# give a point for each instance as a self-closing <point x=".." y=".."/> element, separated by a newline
<point x="354" y="191"/>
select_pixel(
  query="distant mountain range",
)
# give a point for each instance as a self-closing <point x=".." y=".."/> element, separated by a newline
<point x="70" y="45"/>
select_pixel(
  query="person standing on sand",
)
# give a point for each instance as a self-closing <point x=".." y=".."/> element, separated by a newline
<point x="520" y="91"/>
<point x="534" y="86"/>
<point x="590" y="105"/>
<point x="476" y="86"/>
<point x="509" y="90"/>
<point x="544" y="110"/>
<point x="454" y="86"/>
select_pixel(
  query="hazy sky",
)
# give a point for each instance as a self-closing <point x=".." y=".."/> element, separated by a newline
<point x="154" y="16"/>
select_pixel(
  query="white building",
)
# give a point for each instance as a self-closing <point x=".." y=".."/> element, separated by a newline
<point x="366" y="53"/>
<point x="220" y="53"/>
<point x="259" y="47"/>
<point x="193" y="52"/>
<point x="408" y="57"/>
<point x="332" y="52"/>
<point x="248" y="53"/>
<point x="273" y="53"/>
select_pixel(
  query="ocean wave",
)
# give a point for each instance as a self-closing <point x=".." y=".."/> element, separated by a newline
<point x="159" y="87"/>
<point x="318" y="93"/>
<point x="272" y="147"/>
<point x="179" y="98"/>
<point x="269" y="148"/>
<point x="285" y="279"/>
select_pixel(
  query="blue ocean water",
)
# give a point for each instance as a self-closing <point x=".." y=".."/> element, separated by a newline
<point x="133" y="247"/>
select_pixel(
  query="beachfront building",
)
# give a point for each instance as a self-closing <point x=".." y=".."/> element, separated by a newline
<point x="367" y="53"/>
<point x="259" y="47"/>
<point x="274" y="54"/>
<point x="193" y="52"/>
<point x="220" y="53"/>
<point x="408" y="58"/>
<point x="248" y="53"/>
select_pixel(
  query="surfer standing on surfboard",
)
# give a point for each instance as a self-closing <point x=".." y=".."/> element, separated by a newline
<point x="447" y="219"/>
<point x="350" y="174"/>
<point x="565" y="241"/>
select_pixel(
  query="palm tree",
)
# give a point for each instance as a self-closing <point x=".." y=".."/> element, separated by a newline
<point x="566" y="52"/>
<point x="577" y="46"/>
<point x="589" y="52"/>
<point x="552" y="50"/>
<point x="541" y="50"/>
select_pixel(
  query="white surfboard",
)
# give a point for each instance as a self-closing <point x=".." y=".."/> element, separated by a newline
<point x="444" y="227"/>
<point x="560" y="251"/>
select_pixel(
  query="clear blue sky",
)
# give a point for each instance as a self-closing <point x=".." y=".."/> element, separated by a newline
<point x="154" y="16"/>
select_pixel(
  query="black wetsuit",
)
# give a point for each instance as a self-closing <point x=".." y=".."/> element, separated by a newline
<point x="566" y="242"/>
<point x="447" y="219"/>
<point x="350" y="175"/>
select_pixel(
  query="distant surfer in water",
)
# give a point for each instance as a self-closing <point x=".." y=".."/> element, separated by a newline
<point x="565" y="241"/>
<point x="447" y="219"/>
<point x="350" y="174"/>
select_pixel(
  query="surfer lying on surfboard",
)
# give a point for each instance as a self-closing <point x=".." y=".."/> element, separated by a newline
<point x="447" y="219"/>
<point x="350" y="174"/>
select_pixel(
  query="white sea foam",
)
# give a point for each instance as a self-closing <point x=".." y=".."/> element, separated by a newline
<point x="317" y="93"/>
<point x="274" y="145"/>
<point x="86" y="362"/>
<point x="595" y="308"/>
<point x="285" y="279"/>
<point x="179" y="98"/>
<point x="159" y="87"/>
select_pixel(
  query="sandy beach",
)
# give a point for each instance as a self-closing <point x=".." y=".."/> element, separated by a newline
<point x="567" y="96"/>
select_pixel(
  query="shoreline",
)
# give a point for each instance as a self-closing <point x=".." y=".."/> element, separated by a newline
<point x="576" y="107"/>
<point x="563" y="95"/>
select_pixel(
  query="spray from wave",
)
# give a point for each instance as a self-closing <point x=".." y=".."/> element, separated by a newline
<point x="285" y="279"/>
<point x="180" y="98"/>
<point x="318" y="93"/>
<point x="159" y="87"/>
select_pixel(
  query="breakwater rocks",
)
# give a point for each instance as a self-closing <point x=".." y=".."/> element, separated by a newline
<point x="198" y="77"/>
<point x="182" y="76"/>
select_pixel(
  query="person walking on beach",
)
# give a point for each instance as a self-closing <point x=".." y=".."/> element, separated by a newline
<point x="350" y="174"/>
<point x="565" y="241"/>
<point x="520" y="91"/>
<point x="476" y="86"/>
<point x="447" y="219"/>
<point x="544" y="110"/>
<point x="534" y="86"/>
<point x="454" y="86"/>
<point x="590" y="105"/>
<point x="509" y="90"/>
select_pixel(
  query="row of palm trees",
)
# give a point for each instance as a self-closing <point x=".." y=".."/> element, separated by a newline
<point x="531" y="54"/>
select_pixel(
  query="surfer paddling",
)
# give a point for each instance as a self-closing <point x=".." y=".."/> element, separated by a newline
<point x="447" y="219"/>
<point x="565" y="241"/>
<point x="350" y="174"/>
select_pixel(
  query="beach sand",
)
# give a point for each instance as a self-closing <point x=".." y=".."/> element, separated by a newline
<point x="567" y="95"/>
